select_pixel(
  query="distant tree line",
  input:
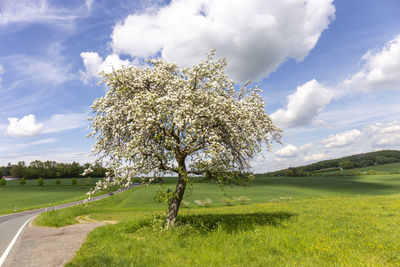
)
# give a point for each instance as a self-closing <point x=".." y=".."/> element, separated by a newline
<point x="349" y="162"/>
<point x="49" y="169"/>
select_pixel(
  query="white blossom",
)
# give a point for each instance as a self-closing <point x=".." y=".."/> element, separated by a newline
<point x="162" y="120"/>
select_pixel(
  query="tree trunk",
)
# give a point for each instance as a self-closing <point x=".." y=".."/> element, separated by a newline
<point x="179" y="191"/>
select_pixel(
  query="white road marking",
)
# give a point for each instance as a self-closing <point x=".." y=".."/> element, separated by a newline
<point x="5" y="254"/>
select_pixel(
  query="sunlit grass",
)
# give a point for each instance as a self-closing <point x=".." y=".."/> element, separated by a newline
<point x="386" y="168"/>
<point x="310" y="221"/>
<point x="358" y="231"/>
<point x="15" y="197"/>
<point x="263" y="190"/>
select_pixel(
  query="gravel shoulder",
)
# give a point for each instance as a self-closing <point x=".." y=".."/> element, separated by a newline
<point x="47" y="246"/>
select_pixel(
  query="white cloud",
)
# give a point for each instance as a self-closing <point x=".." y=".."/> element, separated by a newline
<point x="290" y="150"/>
<point x="37" y="78"/>
<point x="40" y="11"/>
<point x="303" y="105"/>
<point x="42" y="70"/>
<point x="52" y="67"/>
<point x="24" y="127"/>
<point x="1" y="73"/>
<point x="255" y="36"/>
<point x="305" y="148"/>
<point x="94" y="64"/>
<point x="43" y="141"/>
<point x="321" y="124"/>
<point x="381" y="70"/>
<point x="287" y="151"/>
<point x="60" y="156"/>
<point x="89" y="4"/>
<point x="28" y="126"/>
<point x="316" y="157"/>
<point x="342" y="139"/>
<point x="18" y="146"/>
<point x="384" y="134"/>
<point x="62" y="122"/>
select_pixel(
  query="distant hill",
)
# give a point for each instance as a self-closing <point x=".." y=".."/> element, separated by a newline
<point x="349" y="162"/>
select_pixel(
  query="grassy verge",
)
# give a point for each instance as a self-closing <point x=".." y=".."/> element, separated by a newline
<point x="359" y="231"/>
<point x="109" y="208"/>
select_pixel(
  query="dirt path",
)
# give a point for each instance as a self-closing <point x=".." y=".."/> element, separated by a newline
<point x="46" y="246"/>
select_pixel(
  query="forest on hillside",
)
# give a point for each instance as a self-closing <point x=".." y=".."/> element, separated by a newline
<point x="346" y="163"/>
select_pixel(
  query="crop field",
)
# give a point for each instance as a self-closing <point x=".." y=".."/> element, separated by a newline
<point x="270" y="189"/>
<point x="305" y="221"/>
<point x="386" y="168"/>
<point x="16" y="197"/>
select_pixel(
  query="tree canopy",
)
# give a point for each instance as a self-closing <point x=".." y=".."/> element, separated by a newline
<point x="50" y="169"/>
<point x="161" y="119"/>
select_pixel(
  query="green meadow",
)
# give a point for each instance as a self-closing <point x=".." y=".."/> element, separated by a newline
<point x="289" y="221"/>
<point x="15" y="197"/>
<point x="390" y="168"/>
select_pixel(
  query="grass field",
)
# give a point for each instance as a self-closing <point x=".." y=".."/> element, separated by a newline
<point x="386" y="168"/>
<point x="270" y="189"/>
<point x="310" y="221"/>
<point x="15" y="197"/>
<point x="358" y="231"/>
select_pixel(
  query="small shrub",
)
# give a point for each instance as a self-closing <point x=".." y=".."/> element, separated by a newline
<point x="40" y="181"/>
<point x="58" y="181"/>
<point x="73" y="181"/>
<point x="228" y="201"/>
<point x="353" y="173"/>
<point x="22" y="181"/>
<point x="281" y="199"/>
<point x="243" y="199"/>
<point x="203" y="203"/>
<point x="164" y="195"/>
<point x="184" y="203"/>
<point x="3" y="182"/>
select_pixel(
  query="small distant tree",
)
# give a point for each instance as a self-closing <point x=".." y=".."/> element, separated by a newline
<point x="243" y="199"/>
<point x="73" y="181"/>
<point x="40" y="181"/>
<point x="164" y="120"/>
<point x="228" y="201"/>
<point x="18" y="170"/>
<point x="290" y="172"/>
<point x="22" y="181"/>
<point x="3" y="181"/>
<point x="347" y="164"/>
<point x="58" y="181"/>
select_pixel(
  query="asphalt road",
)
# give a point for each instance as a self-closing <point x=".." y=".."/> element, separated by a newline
<point x="10" y="224"/>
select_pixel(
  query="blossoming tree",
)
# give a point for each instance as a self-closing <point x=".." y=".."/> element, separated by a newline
<point x="162" y="120"/>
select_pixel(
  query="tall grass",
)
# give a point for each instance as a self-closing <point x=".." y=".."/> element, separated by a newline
<point x="310" y="221"/>
<point x="358" y="231"/>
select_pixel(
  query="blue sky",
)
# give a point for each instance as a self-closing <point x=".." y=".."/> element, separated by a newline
<point x="330" y="70"/>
